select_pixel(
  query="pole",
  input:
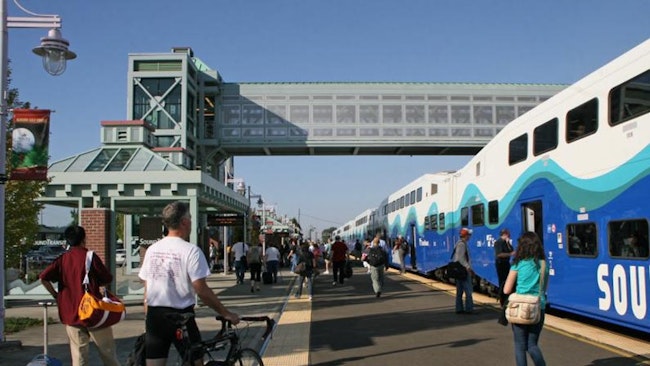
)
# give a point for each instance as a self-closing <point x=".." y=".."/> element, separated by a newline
<point x="3" y="156"/>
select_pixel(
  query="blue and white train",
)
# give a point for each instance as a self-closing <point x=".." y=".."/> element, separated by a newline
<point x="575" y="170"/>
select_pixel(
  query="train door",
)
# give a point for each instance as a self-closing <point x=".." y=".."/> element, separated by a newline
<point x="531" y="216"/>
<point x="412" y="250"/>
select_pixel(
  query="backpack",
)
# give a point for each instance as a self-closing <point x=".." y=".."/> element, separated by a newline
<point x="375" y="257"/>
<point x="253" y="256"/>
<point x="137" y="357"/>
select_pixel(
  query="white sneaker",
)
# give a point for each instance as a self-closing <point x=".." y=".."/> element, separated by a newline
<point x="326" y="272"/>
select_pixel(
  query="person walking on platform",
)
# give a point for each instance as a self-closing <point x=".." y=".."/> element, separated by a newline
<point x="306" y="256"/>
<point x="68" y="271"/>
<point x="254" y="261"/>
<point x="401" y="248"/>
<point x="272" y="259"/>
<point x="526" y="277"/>
<point x="339" y="256"/>
<point x="377" y="259"/>
<point x="239" y="251"/>
<point x="174" y="273"/>
<point x="461" y="255"/>
<point x="502" y="253"/>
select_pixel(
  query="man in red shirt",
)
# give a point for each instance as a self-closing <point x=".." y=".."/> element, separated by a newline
<point x="339" y="256"/>
<point x="68" y="271"/>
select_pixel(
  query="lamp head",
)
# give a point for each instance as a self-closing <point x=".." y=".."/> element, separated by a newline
<point x="260" y="203"/>
<point x="55" y="53"/>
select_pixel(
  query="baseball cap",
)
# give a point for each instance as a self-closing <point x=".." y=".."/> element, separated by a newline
<point x="465" y="231"/>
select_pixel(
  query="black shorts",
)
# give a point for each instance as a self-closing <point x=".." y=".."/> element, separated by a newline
<point x="161" y="332"/>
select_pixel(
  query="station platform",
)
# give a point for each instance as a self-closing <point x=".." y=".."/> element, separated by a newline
<point x="413" y="321"/>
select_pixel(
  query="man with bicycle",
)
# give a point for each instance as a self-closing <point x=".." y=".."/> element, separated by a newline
<point x="173" y="272"/>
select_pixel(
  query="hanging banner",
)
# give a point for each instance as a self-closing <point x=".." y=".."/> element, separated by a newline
<point x="29" y="144"/>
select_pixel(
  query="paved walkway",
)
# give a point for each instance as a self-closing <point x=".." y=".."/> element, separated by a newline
<point x="289" y="344"/>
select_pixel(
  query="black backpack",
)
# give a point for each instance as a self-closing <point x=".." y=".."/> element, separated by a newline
<point x="375" y="257"/>
<point x="137" y="357"/>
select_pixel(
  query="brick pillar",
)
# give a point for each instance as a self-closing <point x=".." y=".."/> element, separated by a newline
<point x="97" y="223"/>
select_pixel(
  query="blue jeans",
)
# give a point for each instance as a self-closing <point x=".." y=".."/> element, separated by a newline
<point x="272" y="267"/>
<point x="464" y="286"/>
<point x="526" y="337"/>
<point x="240" y="270"/>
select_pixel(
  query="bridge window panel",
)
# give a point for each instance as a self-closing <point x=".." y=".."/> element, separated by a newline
<point x="323" y="97"/>
<point x="299" y="113"/>
<point x="493" y="212"/>
<point x="415" y="114"/>
<point x="464" y="216"/>
<point x="414" y="97"/>
<point x="505" y="114"/>
<point x="346" y="114"/>
<point x="628" y="238"/>
<point x="368" y="132"/>
<point x="630" y="99"/>
<point x="323" y="132"/>
<point x="582" y="239"/>
<point x="545" y="137"/>
<point x="369" y="113"/>
<point x="484" y="132"/>
<point x="253" y="132"/>
<point x="345" y="97"/>
<point x="276" y="132"/>
<point x="323" y="113"/>
<point x="460" y="114"/>
<point x="478" y="215"/>
<point x="298" y="132"/>
<point x="252" y="115"/>
<point x="483" y="114"/>
<point x="230" y="133"/>
<point x="231" y="114"/>
<point x="230" y="98"/>
<point x="415" y="132"/>
<point x="461" y="132"/>
<point x="504" y="99"/>
<point x="419" y="194"/>
<point x="276" y="114"/>
<point x="482" y="98"/>
<point x="522" y="109"/>
<point x="369" y="97"/>
<point x="438" y="132"/>
<point x="276" y="97"/>
<point x="392" y="131"/>
<point x="433" y="220"/>
<point x="299" y="97"/>
<point x="343" y="132"/>
<point x="441" y="221"/>
<point x="582" y="121"/>
<point x="518" y="149"/>
<point x="523" y="98"/>
<point x="438" y="114"/>
<point x="437" y="97"/>
<point x="392" y="113"/>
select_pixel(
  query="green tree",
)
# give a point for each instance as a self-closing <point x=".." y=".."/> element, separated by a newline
<point x="21" y="210"/>
<point x="327" y="233"/>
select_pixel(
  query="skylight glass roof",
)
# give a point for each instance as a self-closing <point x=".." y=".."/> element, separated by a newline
<point x="115" y="159"/>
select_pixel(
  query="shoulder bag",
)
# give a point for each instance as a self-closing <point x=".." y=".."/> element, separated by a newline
<point x="526" y="309"/>
<point x="99" y="313"/>
<point x="456" y="270"/>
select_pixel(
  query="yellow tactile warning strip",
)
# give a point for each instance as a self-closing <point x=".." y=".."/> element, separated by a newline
<point x="290" y="343"/>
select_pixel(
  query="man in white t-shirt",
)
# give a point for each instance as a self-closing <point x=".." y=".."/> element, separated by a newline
<point x="174" y="271"/>
<point x="239" y="250"/>
<point x="272" y="259"/>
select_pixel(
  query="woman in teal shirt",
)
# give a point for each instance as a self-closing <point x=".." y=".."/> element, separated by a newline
<point x="524" y="278"/>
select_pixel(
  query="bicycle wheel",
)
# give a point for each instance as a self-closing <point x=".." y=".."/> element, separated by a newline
<point x="248" y="357"/>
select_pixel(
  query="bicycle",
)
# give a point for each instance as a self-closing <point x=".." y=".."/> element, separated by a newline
<point x="227" y="338"/>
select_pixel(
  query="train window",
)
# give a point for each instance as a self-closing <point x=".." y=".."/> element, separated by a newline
<point x="426" y="223"/>
<point x="582" y="121"/>
<point x="630" y="99"/>
<point x="433" y="219"/>
<point x="401" y="202"/>
<point x="493" y="212"/>
<point x="419" y="194"/>
<point x="412" y="197"/>
<point x="582" y="239"/>
<point x="628" y="238"/>
<point x="545" y="137"/>
<point x="518" y="149"/>
<point x="478" y="215"/>
<point x="441" y="221"/>
<point x="434" y="189"/>
<point x="464" y="216"/>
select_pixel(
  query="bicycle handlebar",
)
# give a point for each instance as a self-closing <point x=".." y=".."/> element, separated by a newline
<point x="226" y="324"/>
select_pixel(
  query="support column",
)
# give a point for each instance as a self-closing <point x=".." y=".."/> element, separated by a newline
<point x="97" y="222"/>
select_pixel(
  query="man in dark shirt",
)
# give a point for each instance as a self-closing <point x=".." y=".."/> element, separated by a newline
<point x="68" y="271"/>
<point x="339" y="255"/>
<point x="502" y="253"/>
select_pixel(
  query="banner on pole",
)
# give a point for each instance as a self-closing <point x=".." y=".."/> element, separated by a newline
<point x="29" y="144"/>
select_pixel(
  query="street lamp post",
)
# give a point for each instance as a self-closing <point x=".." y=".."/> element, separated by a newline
<point x="55" y="53"/>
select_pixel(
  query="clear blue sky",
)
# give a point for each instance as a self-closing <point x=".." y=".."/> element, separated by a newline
<point x="515" y="41"/>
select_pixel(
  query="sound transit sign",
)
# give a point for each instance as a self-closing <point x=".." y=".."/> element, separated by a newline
<point x="227" y="219"/>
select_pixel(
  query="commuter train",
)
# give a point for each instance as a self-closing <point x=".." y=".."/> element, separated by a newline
<point x="575" y="170"/>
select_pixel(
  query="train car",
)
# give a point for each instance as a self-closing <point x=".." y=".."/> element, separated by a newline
<point x="575" y="170"/>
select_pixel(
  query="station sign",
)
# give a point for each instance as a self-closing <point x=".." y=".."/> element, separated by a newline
<point x="227" y="219"/>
